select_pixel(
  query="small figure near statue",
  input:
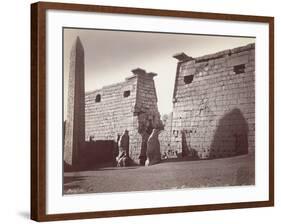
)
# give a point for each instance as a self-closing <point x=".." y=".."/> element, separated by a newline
<point x="123" y="158"/>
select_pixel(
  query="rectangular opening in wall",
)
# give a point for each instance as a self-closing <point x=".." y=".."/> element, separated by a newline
<point x="239" y="69"/>
<point x="98" y="98"/>
<point x="126" y="93"/>
<point x="188" y="79"/>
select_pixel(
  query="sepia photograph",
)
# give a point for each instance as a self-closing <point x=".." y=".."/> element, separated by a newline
<point x="147" y="111"/>
<point x="157" y="111"/>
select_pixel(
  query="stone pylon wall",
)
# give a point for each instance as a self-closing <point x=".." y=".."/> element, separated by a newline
<point x="128" y="105"/>
<point x="213" y="107"/>
<point x="146" y="110"/>
<point x="165" y="137"/>
<point x="75" y="124"/>
<point x="113" y="113"/>
<point x="214" y="103"/>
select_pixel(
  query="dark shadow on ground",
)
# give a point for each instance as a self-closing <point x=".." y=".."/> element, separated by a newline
<point x="231" y="136"/>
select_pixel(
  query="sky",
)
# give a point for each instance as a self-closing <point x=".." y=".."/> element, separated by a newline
<point x="111" y="55"/>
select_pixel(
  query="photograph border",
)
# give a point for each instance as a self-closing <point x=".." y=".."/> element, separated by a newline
<point x="38" y="109"/>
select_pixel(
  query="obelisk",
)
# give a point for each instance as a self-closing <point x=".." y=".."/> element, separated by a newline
<point x="75" y="124"/>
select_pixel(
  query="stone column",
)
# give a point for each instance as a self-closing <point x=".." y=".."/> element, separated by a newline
<point x="75" y="124"/>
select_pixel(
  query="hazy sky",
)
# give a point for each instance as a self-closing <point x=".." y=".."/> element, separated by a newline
<point x="111" y="55"/>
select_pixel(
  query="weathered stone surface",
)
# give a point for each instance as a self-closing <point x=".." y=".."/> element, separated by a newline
<point x="182" y="57"/>
<point x="217" y="108"/>
<point x="165" y="138"/>
<point x="243" y="59"/>
<point x="75" y="124"/>
<point x="153" y="148"/>
<point x="116" y="112"/>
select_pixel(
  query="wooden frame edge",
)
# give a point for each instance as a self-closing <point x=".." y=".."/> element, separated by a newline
<point x="151" y="211"/>
<point x="33" y="109"/>
<point x="271" y="110"/>
<point x="38" y="113"/>
<point x="153" y="12"/>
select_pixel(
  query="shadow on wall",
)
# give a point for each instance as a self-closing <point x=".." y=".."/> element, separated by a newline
<point x="188" y="153"/>
<point x="231" y="136"/>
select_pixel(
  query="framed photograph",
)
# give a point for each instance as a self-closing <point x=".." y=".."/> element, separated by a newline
<point x="141" y="111"/>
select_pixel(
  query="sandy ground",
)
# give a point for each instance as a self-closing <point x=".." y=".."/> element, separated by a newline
<point x="239" y="170"/>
